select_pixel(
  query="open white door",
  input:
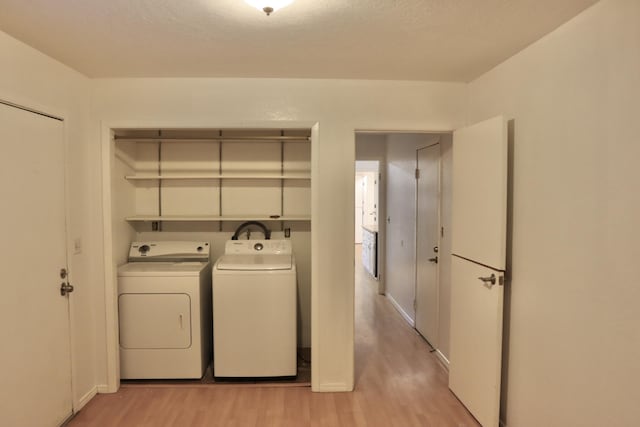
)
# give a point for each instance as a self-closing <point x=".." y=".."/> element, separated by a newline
<point x="36" y="365"/>
<point x="479" y="210"/>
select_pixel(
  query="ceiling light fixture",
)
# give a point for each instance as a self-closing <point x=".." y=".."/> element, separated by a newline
<point x="269" y="6"/>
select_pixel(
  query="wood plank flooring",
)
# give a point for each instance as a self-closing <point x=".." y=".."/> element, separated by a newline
<point x="398" y="383"/>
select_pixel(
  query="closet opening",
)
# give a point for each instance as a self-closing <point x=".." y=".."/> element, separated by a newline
<point x="172" y="185"/>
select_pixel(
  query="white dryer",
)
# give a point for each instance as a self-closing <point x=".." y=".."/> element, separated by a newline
<point x="254" y="310"/>
<point x="164" y="309"/>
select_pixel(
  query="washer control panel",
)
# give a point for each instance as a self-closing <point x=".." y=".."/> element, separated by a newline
<point x="277" y="247"/>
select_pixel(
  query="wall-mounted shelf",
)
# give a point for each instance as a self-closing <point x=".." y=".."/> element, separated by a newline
<point x="209" y="175"/>
<point x="217" y="139"/>
<point x="202" y="218"/>
<point x="213" y="177"/>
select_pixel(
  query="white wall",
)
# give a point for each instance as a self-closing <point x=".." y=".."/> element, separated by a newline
<point x="34" y="80"/>
<point x="371" y="146"/>
<point x="339" y="108"/>
<point x="401" y="219"/>
<point x="574" y="349"/>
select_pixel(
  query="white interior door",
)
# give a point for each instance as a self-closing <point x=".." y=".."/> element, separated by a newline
<point x="36" y="365"/>
<point x="479" y="209"/>
<point x="427" y="220"/>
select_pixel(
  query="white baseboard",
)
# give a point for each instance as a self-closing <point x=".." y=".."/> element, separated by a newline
<point x="403" y="313"/>
<point x="85" y="399"/>
<point x="103" y="388"/>
<point x="333" y="387"/>
<point x="441" y="357"/>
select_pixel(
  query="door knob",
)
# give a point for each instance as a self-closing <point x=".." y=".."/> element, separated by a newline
<point x="434" y="259"/>
<point x="66" y="288"/>
<point x="489" y="280"/>
<point x="435" y="249"/>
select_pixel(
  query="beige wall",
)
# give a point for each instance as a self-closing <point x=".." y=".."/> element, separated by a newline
<point x="574" y="349"/>
<point x="34" y="80"/>
<point x="339" y="108"/>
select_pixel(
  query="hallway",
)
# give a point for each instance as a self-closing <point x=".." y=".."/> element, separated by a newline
<point x="398" y="383"/>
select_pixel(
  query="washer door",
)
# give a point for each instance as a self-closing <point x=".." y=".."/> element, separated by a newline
<point x="155" y="321"/>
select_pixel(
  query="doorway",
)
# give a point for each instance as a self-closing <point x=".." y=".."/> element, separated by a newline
<point x="403" y="251"/>
<point x="366" y="200"/>
<point x="366" y="214"/>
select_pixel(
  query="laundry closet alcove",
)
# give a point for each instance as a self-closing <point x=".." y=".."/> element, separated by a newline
<point x="200" y="184"/>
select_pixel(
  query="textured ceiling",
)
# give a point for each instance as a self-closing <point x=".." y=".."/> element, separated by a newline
<point x="446" y="40"/>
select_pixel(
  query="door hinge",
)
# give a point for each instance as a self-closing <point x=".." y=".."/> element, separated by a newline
<point x="417" y="173"/>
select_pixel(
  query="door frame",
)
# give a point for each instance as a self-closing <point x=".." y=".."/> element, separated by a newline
<point x="382" y="222"/>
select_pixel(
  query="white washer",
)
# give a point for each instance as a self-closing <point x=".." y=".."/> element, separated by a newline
<point x="254" y="310"/>
<point x="164" y="308"/>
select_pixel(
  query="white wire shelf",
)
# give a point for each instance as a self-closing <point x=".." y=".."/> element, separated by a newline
<point x="214" y="177"/>
<point x="203" y="218"/>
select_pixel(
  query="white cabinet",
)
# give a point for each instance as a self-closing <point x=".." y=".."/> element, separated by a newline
<point x="216" y="174"/>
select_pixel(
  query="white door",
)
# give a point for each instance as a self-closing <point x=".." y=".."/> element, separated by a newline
<point x="479" y="209"/>
<point x="35" y="385"/>
<point x="427" y="220"/>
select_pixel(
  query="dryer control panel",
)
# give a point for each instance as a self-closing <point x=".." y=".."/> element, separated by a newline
<point x="177" y="251"/>
<point x="277" y="247"/>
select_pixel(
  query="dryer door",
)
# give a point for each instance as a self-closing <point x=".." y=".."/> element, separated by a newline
<point x="155" y="321"/>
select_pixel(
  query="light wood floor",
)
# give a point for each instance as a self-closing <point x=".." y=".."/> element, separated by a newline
<point x="398" y="383"/>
